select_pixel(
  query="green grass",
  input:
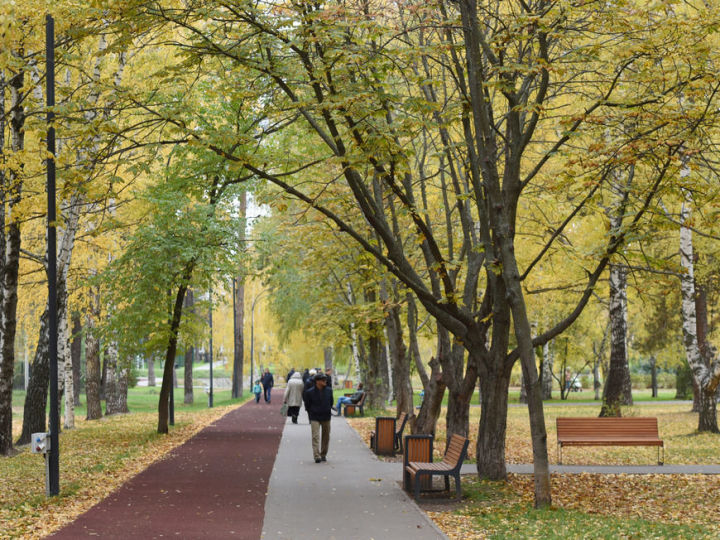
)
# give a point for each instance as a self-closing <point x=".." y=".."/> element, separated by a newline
<point x="201" y="371"/>
<point x="140" y="399"/>
<point x="639" y="395"/>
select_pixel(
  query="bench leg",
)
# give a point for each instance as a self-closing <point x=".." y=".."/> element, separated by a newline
<point x="417" y="487"/>
<point x="661" y="461"/>
<point x="458" y="489"/>
<point x="559" y="453"/>
<point x="447" y="482"/>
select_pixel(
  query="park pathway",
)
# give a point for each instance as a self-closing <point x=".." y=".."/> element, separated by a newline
<point x="212" y="486"/>
<point x="353" y="496"/>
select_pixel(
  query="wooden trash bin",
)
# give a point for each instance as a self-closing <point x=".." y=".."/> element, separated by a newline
<point x="382" y="440"/>
<point x="348" y="383"/>
<point x="417" y="448"/>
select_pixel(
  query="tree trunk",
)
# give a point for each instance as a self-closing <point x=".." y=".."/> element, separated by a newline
<point x="429" y="413"/>
<point x="92" y="361"/>
<point x="112" y="386"/>
<point x="523" y="390"/>
<point x="328" y="361"/>
<point x="400" y="363"/>
<point x="165" y="389"/>
<point x="376" y="371"/>
<point x="239" y="326"/>
<point x="151" y="372"/>
<point x="705" y="370"/>
<point x="547" y="372"/>
<point x="10" y="251"/>
<point x="653" y="376"/>
<point x="493" y="426"/>
<point x="414" y="349"/>
<point x="65" y="360"/>
<point x="188" y="381"/>
<point x="617" y="390"/>
<point x="76" y="352"/>
<point x="34" y="411"/>
<point x="239" y="318"/>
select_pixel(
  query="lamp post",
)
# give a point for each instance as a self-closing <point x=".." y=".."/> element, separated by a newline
<point x="252" y="335"/>
<point x="53" y="457"/>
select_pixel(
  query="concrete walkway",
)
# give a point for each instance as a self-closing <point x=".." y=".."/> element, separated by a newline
<point x="353" y="496"/>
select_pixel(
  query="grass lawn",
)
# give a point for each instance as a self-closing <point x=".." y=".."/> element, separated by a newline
<point x="587" y="505"/>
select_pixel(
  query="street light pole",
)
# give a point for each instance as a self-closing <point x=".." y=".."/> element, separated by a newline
<point x="53" y="457"/>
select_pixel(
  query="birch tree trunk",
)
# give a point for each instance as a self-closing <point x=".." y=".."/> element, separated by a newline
<point x="151" y="372"/>
<point x="116" y="384"/>
<point x="10" y="253"/>
<point x="705" y="370"/>
<point x="618" y="388"/>
<point x="65" y="356"/>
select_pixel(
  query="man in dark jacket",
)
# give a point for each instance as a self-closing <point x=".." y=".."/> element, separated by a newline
<point x="318" y="402"/>
<point x="267" y="382"/>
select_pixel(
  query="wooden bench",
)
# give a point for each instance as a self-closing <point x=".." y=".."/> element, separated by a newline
<point x="350" y="408"/>
<point x="449" y="466"/>
<point x="608" y="431"/>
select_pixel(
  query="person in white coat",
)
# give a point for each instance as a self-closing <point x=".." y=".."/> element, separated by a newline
<point x="294" y="396"/>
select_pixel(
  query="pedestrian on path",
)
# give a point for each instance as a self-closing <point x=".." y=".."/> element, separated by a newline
<point x="294" y="396"/>
<point x="268" y="382"/>
<point x="318" y="403"/>
<point x="310" y="381"/>
<point x="257" y="390"/>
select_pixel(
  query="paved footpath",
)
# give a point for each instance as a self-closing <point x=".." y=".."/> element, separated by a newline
<point x="353" y="496"/>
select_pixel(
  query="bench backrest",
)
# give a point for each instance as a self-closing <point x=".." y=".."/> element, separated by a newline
<point x="456" y="449"/>
<point x="362" y="399"/>
<point x="607" y="427"/>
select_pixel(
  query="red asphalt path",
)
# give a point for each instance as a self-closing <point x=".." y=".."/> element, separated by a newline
<point x="212" y="486"/>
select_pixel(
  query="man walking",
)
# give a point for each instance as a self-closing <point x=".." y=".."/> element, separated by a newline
<point x="267" y="382"/>
<point x="318" y="402"/>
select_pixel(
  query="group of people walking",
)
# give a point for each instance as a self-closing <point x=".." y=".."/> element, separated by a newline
<point x="313" y="389"/>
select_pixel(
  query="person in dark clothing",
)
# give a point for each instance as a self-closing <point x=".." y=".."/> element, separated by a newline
<point x="305" y="376"/>
<point x="290" y="374"/>
<point x="344" y="400"/>
<point x="328" y="376"/>
<point x="318" y="403"/>
<point x="310" y="381"/>
<point x="267" y="382"/>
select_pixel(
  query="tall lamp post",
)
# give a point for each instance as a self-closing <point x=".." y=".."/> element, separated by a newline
<point x="53" y="457"/>
<point x="252" y="335"/>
